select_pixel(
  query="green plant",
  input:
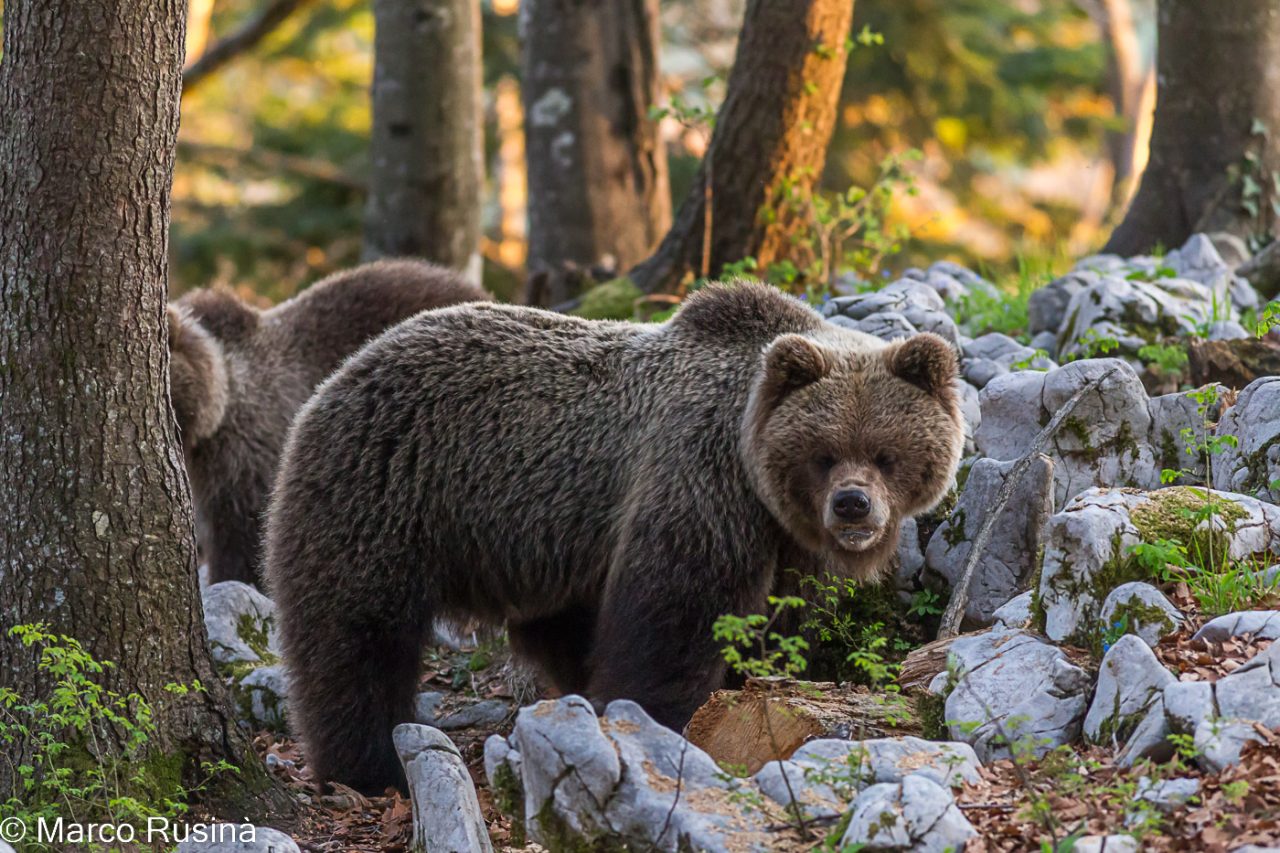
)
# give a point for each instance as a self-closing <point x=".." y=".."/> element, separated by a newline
<point x="80" y="754"/>
<point x="1269" y="318"/>
<point x="925" y="602"/>
<point x="1092" y="344"/>
<point x="1164" y="359"/>
<point x="862" y="643"/>
<point x="845" y="232"/>
<point x="775" y="654"/>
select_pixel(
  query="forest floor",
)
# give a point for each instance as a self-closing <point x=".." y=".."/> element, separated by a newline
<point x="1028" y="805"/>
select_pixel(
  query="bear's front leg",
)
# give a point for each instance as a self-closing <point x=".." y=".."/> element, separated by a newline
<point x="654" y="641"/>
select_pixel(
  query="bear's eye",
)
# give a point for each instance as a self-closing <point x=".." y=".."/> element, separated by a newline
<point x="826" y="462"/>
<point x="886" y="461"/>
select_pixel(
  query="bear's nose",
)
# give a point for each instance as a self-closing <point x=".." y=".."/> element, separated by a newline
<point x="851" y="505"/>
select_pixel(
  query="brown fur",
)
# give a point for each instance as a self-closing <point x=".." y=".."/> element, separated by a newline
<point x="238" y="375"/>
<point x="605" y="490"/>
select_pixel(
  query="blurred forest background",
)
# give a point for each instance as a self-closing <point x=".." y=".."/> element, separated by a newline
<point x="1030" y="115"/>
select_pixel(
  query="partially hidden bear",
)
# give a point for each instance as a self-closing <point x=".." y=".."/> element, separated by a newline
<point x="238" y="375"/>
<point x="605" y="490"/>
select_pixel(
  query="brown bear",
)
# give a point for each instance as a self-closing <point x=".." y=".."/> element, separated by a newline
<point x="606" y="490"/>
<point x="238" y="375"/>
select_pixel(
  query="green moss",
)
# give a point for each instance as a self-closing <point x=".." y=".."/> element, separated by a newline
<point x="611" y="300"/>
<point x="931" y="710"/>
<point x="559" y="837"/>
<point x="1257" y="479"/>
<point x="1170" y="452"/>
<point x="254" y="632"/>
<point x="955" y="532"/>
<point x="1169" y="514"/>
<point x="508" y="796"/>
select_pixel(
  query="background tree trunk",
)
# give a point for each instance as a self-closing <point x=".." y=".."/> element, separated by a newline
<point x="598" y="186"/>
<point x="774" y="127"/>
<point x="1219" y="84"/>
<point x="95" y="517"/>
<point x="426" y="148"/>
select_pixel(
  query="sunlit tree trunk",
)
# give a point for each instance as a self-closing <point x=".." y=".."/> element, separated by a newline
<point x="426" y="178"/>
<point x="95" y="517"/>
<point x="773" y="129"/>
<point x="598" y="186"/>
<point x="1215" y="144"/>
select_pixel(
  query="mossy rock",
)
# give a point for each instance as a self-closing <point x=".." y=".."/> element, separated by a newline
<point x="612" y="300"/>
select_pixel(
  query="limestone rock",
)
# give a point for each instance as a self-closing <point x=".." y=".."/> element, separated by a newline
<point x="1013" y="687"/>
<point x="241" y="623"/>
<point x="913" y="815"/>
<point x="1130" y="681"/>
<point x="262" y="695"/>
<point x="1010" y="558"/>
<point x="1016" y="612"/>
<point x="446" y="813"/>
<point x="1253" y="466"/>
<point x="1141" y="610"/>
<point x="1261" y="624"/>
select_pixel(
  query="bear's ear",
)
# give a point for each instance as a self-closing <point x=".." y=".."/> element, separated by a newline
<point x="791" y="362"/>
<point x="925" y="360"/>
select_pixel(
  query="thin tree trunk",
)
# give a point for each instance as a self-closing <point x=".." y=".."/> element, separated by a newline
<point x="1219" y="85"/>
<point x="426" y="148"/>
<point x="597" y="172"/>
<point x="1128" y="74"/>
<point x="772" y="131"/>
<point x="96" y="536"/>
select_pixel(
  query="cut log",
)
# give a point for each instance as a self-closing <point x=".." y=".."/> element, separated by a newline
<point x="770" y="718"/>
<point x="1234" y="363"/>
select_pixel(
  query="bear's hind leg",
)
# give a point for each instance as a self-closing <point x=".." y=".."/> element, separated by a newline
<point x="559" y="645"/>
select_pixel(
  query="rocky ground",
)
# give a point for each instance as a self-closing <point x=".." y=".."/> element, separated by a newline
<point x="1117" y="684"/>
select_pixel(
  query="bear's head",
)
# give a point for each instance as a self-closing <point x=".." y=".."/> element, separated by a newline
<point x="198" y="384"/>
<point x="844" y="436"/>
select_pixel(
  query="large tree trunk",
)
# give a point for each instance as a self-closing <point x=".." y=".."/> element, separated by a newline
<point x="773" y="129"/>
<point x="1218" y="76"/>
<point x="426" y="148"/>
<point x="96" y="536"/>
<point x="598" y="189"/>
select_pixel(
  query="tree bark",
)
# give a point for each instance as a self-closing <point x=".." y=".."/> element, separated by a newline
<point x="1219" y="84"/>
<point x="96" y="537"/>
<point x="773" y="129"/>
<point x="598" y="187"/>
<point x="426" y="147"/>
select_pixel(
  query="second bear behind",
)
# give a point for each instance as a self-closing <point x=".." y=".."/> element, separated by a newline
<point x="238" y="375"/>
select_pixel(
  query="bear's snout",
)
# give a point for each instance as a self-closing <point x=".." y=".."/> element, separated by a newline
<point x="851" y="505"/>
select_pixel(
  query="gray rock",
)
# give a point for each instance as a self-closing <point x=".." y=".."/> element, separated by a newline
<point x="1199" y="260"/>
<point x="1261" y="624"/>
<point x="910" y="559"/>
<point x="1016" y="612"/>
<point x="446" y="813"/>
<point x="1106" y="844"/>
<point x="1167" y="794"/>
<point x="994" y="354"/>
<point x="486" y="712"/>
<point x="915" y="814"/>
<point x="1130" y="681"/>
<point x="1227" y="330"/>
<point x="426" y="707"/>
<point x="1091" y="540"/>
<point x="5" y="848"/>
<point x="887" y="326"/>
<point x="1047" y="307"/>
<point x="622" y="780"/>
<point x="1143" y="610"/>
<point x="1220" y="741"/>
<point x="1254" y="464"/>
<point x="1011" y="410"/>
<point x="971" y="410"/>
<point x="1187" y="704"/>
<point x="1102" y="442"/>
<point x="826" y="774"/>
<point x="1150" y="739"/>
<point x="262" y="695"/>
<point x="1015" y="690"/>
<point x="1252" y="692"/>
<point x="1010" y="559"/>
<point x="1255" y="848"/>
<point x="240" y="838"/>
<point x="241" y="623"/>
